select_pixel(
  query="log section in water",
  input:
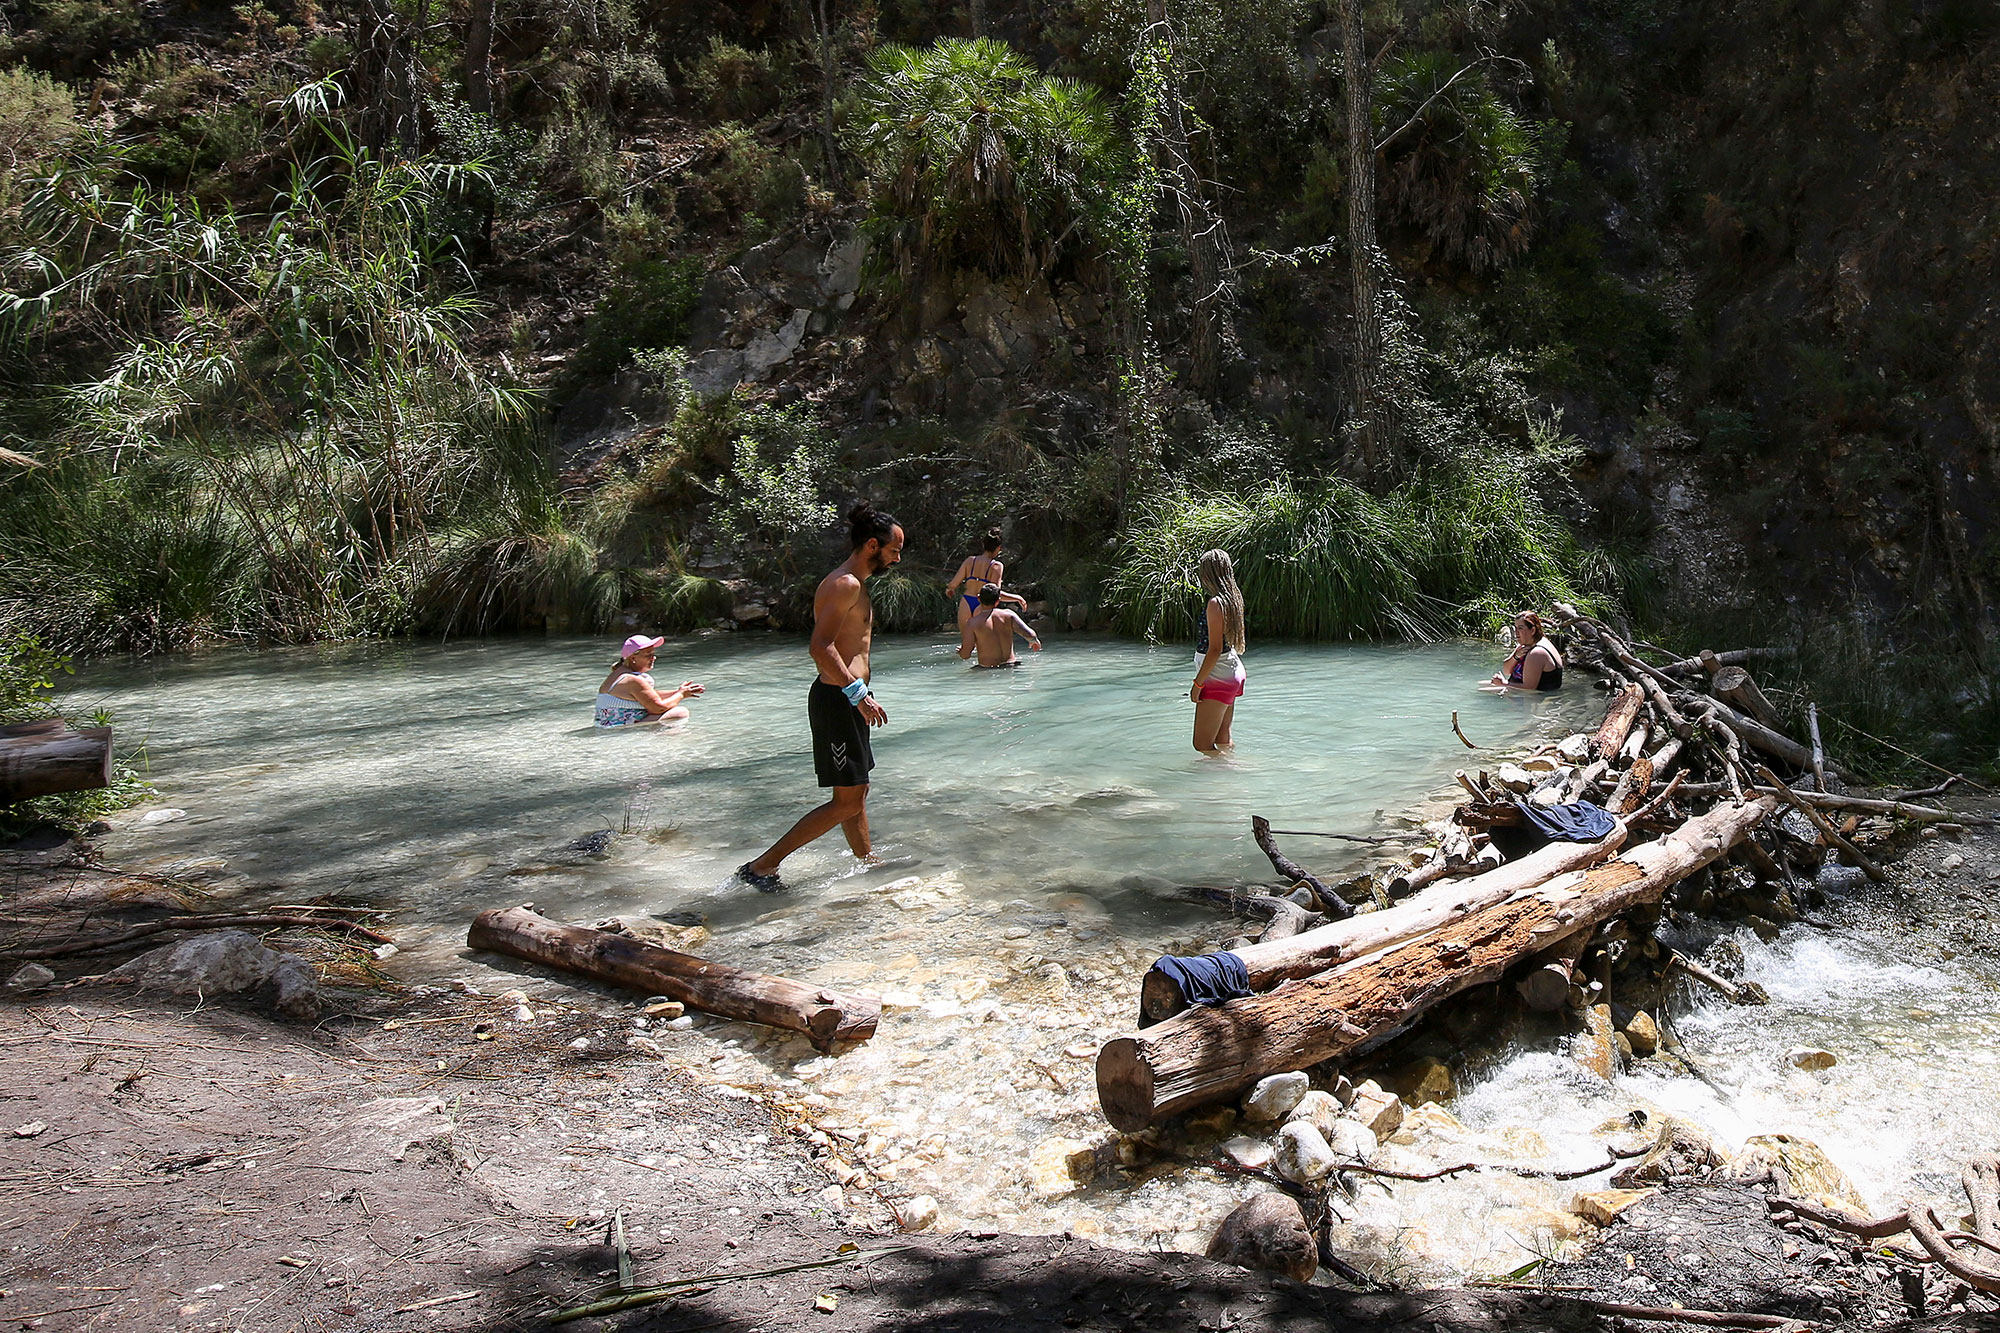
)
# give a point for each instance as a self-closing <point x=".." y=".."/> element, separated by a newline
<point x="1206" y="1054"/>
<point x="827" y="1016"/>
<point x="42" y="758"/>
<point x="1274" y="960"/>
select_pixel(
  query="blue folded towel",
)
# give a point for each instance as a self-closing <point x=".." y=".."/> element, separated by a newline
<point x="1579" y="821"/>
<point x="1209" y="978"/>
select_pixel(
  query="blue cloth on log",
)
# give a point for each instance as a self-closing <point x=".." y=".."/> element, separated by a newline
<point x="1209" y="978"/>
<point x="1579" y="821"/>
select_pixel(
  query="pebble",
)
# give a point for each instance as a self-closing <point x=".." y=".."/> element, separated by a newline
<point x="1015" y="933"/>
<point x="30" y="976"/>
<point x="685" y="1023"/>
<point x="162" y="816"/>
<point x="1953" y="861"/>
<point x="1251" y="1154"/>
<point x="1303" y="1156"/>
<point x="918" y="1214"/>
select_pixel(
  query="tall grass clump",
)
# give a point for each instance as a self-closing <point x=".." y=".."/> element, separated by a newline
<point x="1447" y="553"/>
<point x="287" y="440"/>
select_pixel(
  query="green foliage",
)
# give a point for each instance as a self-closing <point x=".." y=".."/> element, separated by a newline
<point x="732" y="83"/>
<point x="76" y="37"/>
<point x="645" y="304"/>
<point x="975" y="159"/>
<point x="291" y="412"/>
<point x="1462" y="167"/>
<point x="1576" y="325"/>
<point x="29" y="670"/>
<point x="1447" y="553"/>
<point x="774" y="493"/>
<point x="37" y="119"/>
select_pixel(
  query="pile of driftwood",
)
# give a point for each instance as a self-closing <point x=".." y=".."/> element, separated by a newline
<point x="1696" y="771"/>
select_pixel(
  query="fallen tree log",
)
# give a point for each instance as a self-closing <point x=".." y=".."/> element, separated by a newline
<point x="1618" y="720"/>
<point x="1274" y="960"/>
<point x="209" y="921"/>
<point x="47" y="757"/>
<point x="826" y="1016"/>
<point x="1709" y="662"/>
<point x="1545" y="988"/>
<point x="1206" y="1054"/>
<point x="1774" y="743"/>
<point x="1733" y="685"/>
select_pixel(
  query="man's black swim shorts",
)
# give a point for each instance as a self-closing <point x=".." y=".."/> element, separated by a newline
<point x="841" y="753"/>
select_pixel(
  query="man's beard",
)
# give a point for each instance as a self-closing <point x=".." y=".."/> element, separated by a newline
<point x="873" y="565"/>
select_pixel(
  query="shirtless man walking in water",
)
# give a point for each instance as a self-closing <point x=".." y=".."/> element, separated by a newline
<point x="993" y="628"/>
<point x="839" y="705"/>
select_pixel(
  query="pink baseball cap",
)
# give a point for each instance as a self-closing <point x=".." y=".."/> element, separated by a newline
<point x="639" y="643"/>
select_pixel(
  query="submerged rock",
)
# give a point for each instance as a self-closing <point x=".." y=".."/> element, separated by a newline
<point x="1061" y="1166"/>
<point x="1810" y="1057"/>
<point x="227" y="962"/>
<point x="1426" y="1079"/>
<point x="1267" y="1232"/>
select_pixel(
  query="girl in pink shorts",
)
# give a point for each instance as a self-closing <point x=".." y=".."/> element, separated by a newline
<point x="1218" y="644"/>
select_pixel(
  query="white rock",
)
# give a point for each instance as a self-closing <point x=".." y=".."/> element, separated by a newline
<point x="162" y="816"/>
<point x="30" y="1130"/>
<point x="1273" y="1098"/>
<point x="685" y="1023"/>
<point x="1952" y="862"/>
<point x="833" y="1197"/>
<point x="1251" y="1154"/>
<point x="1318" y="1109"/>
<point x="1303" y="1155"/>
<point x="918" y="1214"/>
<point x="1381" y="1112"/>
<point x="1515" y="778"/>
<point x="1576" y="748"/>
<point x="1351" y="1141"/>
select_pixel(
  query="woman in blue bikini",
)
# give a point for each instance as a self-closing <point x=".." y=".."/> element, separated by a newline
<point x="628" y="695"/>
<point x="976" y="572"/>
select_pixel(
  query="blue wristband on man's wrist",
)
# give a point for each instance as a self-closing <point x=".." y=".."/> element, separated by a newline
<point x="856" y="691"/>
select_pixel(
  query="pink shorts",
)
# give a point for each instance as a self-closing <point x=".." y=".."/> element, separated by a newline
<point x="1223" y="691"/>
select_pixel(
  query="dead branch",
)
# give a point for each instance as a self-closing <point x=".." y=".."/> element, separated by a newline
<point x="207" y="921"/>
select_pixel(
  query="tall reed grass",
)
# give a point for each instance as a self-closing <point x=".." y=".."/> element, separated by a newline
<point x="1446" y="554"/>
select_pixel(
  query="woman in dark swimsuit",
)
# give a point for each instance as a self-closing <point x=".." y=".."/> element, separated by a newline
<point x="1535" y="664"/>
<point x="976" y="572"/>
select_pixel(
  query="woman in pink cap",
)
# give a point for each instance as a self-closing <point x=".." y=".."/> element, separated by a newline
<point x="627" y="694"/>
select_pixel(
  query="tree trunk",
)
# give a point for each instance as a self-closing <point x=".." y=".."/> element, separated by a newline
<point x="1363" y="254"/>
<point x="43" y="758"/>
<point x="1207" y="1054"/>
<point x="826" y="1016"/>
<point x="479" y="57"/>
<point x="1275" y="960"/>
<point x="829" y="143"/>
<point x="1210" y="333"/>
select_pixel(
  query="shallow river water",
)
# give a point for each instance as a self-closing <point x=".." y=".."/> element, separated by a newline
<point x="1033" y="826"/>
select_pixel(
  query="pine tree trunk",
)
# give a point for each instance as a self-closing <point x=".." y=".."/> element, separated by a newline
<point x="479" y="57"/>
<point x="1363" y="255"/>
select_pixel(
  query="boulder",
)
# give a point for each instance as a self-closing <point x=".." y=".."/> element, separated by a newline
<point x="1603" y="1206"/>
<point x="1643" y="1033"/>
<point x="1797" y="1167"/>
<point x="1248" y="1153"/>
<point x="1426" y="1079"/>
<point x="1810" y="1057"/>
<point x="1273" y="1098"/>
<point x="227" y="962"/>
<point x="1060" y="1166"/>
<point x="1381" y="1111"/>
<point x="1303" y="1156"/>
<point x="1267" y="1232"/>
<point x="1679" y="1152"/>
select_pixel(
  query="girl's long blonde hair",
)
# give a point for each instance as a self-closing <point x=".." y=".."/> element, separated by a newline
<point x="1218" y="580"/>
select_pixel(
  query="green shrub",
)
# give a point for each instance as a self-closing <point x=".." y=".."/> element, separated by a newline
<point x="37" y="118"/>
<point x="646" y="304"/>
<point x="77" y="36"/>
<point x="1447" y="553"/>
<point x="975" y="159"/>
<point x="732" y="83"/>
<point x="29" y="674"/>
<point x="1463" y="172"/>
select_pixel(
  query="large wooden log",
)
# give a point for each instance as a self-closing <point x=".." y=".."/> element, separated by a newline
<point x="1272" y="961"/>
<point x="43" y="758"/>
<point x="1774" y="743"/>
<point x="1618" y="720"/>
<point x="826" y="1016"/>
<point x="1734" y="687"/>
<point x="1206" y="1054"/>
